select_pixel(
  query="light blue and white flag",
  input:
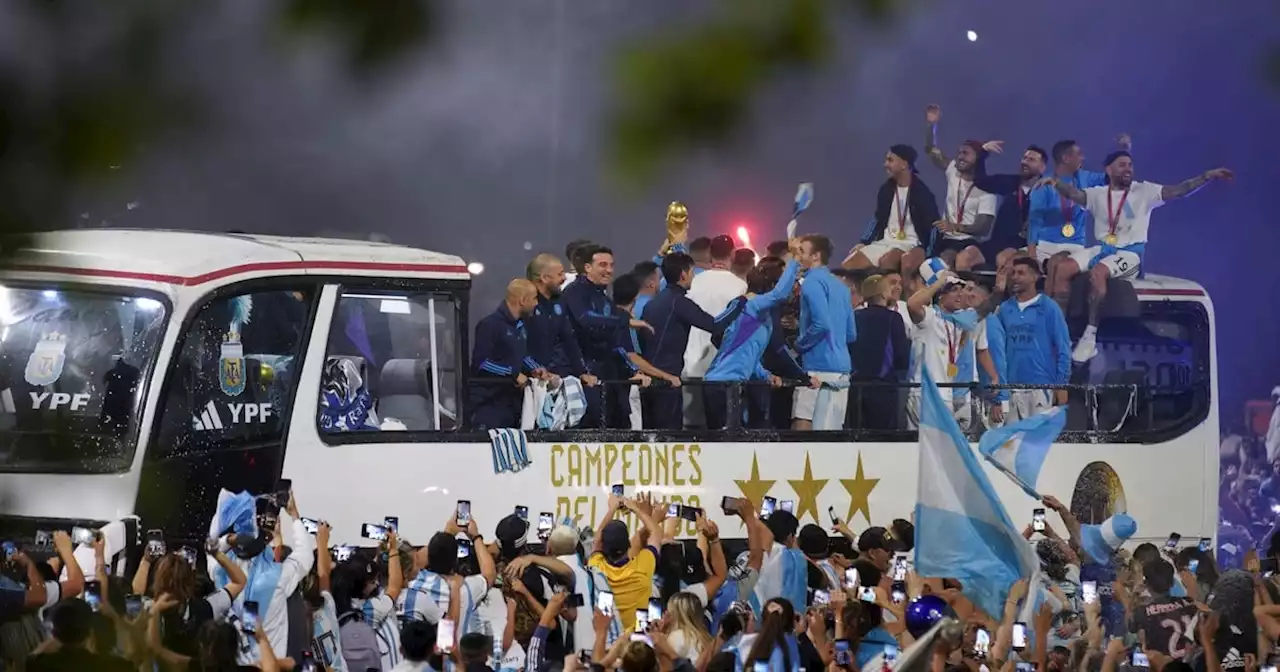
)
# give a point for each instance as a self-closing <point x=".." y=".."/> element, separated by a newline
<point x="962" y="528"/>
<point x="1018" y="450"/>
<point x="804" y="198"/>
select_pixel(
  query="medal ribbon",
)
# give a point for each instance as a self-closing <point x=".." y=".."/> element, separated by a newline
<point x="960" y="205"/>
<point x="951" y="344"/>
<point x="902" y="211"/>
<point x="1113" y="218"/>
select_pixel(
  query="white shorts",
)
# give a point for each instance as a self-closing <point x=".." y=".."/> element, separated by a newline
<point x="806" y="402"/>
<point x="1122" y="264"/>
<point x="961" y="409"/>
<point x="1079" y="253"/>
<point x="1026" y="403"/>
<point x="875" y="251"/>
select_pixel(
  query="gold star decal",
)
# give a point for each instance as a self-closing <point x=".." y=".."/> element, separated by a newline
<point x="755" y="488"/>
<point x="859" y="488"/>
<point x="807" y="490"/>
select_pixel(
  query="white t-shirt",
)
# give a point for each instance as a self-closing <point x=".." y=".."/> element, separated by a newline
<point x="685" y="647"/>
<point x="1133" y="218"/>
<point x="965" y="202"/>
<point x="326" y="642"/>
<point x="939" y="340"/>
<point x="712" y="290"/>
<point x="898" y="209"/>
<point x="380" y="613"/>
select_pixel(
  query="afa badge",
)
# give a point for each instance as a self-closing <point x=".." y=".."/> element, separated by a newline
<point x="44" y="366"/>
<point x="559" y="310"/>
<point x="231" y="366"/>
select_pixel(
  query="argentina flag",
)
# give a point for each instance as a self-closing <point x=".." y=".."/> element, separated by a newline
<point x="1019" y="449"/>
<point x="962" y="529"/>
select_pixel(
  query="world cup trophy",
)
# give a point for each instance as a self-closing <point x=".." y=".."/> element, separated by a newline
<point x="677" y="226"/>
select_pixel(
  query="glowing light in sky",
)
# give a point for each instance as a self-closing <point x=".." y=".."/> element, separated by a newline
<point x="973" y="36"/>
<point x="744" y="236"/>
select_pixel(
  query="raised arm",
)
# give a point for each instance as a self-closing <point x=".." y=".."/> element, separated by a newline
<point x="932" y="114"/>
<point x="1068" y="190"/>
<point x="1193" y="184"/>
<point x="919" y="302"/>
<point x="780" y="292"/>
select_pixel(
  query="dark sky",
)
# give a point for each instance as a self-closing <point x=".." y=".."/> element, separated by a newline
<point x="492" y="136"/>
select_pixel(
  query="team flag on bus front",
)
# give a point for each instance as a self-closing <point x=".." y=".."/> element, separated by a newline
<point x="962" y="528"/>
<point x="1018" y="450"/>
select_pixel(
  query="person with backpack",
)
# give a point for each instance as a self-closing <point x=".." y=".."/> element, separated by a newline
<point x="356" y="583"/>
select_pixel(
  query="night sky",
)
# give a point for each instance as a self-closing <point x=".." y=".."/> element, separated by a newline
<point x="494" y="130"/>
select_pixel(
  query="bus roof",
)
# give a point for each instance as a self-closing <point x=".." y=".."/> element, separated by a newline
<point x="193" y="258"/>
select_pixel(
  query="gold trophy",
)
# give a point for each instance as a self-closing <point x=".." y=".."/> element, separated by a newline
<point x="677" y="226"/>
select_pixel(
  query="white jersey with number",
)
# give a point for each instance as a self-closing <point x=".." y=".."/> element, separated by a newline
<point x="1132" y="218"/>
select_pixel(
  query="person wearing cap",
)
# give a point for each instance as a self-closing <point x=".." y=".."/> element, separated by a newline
<point x="427" y="595"/>
<point x="628" y="564"/>
<point x="881" y="353"/>
<point x="1121" y="213"/>
<point x="877" y="545"/>
<point x="539" y="575"/>
<point x="814" y="543"/>
<point x="1056" y="227"/>
<point x="900" y="233"/>
<point x="784" y="571"/>
<point x="970" y="211"/>
<point x="943" y="330"/>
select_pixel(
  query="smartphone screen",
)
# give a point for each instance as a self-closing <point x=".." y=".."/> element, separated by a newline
<point x="546" y="520"/>
<point x="604" y="602"/>
<point x="843" y="655"/>
<point x="444" y="635"/>
<point x="655" y="610"/>
<point x="464" y="513"/>
<point x="867" y="594"/>
<point x="729" y="505"/>
<point x="1173" y="541"/>
<point x="373" y="531"/>
<point x="1206" y="544"/>
<point x="82" y="535"/>
<point x="1025" y="667"/>
<point x="132" y="605"/>
<point x="898" y="592"/>
<point x="760" y="666"/>
<point x="1193" y="565"/>
<point x="851" y="578"/>
<point x="283" y="488"/>
<point x="1037" y="520"/>
<point x="768" y="506"/>
<point x="1019" y="636"/>
<point x="575" y="600"/>
<point x="618" y="490"/>
<point x="642" y="624"/>
<point x="690" y="513"/>
<point x="673" y="510"/>
<point x="788" y="505"/>
<point x="250" y="621"/>
<point x="155" y="543"/>
<point x="93" y="594"/>
<point x="900" y="568"/>
<point x="308" y="663"/>
<point x="392" y="523"/>
<point x="523" y="512"/>
<point x="1140" y="658"/>
<point x="311" y="525"/>
<point x="342" y="553"/>
<point x="821" y="597"/>
<point x="981" y="643"/>
<point x="890" y="655"/>
<point x="831" y="511"/>
<point x="584" y="658"/>
<point x="1089" y="591"/>
<point x="464" y="549"/>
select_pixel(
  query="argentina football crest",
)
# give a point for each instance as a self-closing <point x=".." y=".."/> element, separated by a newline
<point x="231" y="366"/>
<point x="44" y="366"/>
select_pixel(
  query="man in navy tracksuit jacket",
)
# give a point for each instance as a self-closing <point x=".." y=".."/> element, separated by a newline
<point x="826" y="330"/>
<point x="596" y="324"/>
<point x="672" y="315"/>
<point x="1037" y="345"/>
<point x="500" y="364"/>
<point x="551" y="338"/>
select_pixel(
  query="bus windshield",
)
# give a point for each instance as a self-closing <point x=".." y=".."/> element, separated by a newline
<point x="73" y="362"/>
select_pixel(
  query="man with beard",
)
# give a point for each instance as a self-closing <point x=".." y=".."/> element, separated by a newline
<point x="500" y="362"/>
<point x="1037" y="344"/>
<point x="550" y="335"/>
<point x="970" y="212"/>
<point x="905" y="210"/>
<point x="1121" y="214"/>
<point x="1010" y="232"/>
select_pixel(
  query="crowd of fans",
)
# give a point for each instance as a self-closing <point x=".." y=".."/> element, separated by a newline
<point x="706" y="329"/>
<point x="560" y="598"/>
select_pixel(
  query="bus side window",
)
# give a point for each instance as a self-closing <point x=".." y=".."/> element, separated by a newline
<point x="232" y="380"/>
<point x="392" y="362"/>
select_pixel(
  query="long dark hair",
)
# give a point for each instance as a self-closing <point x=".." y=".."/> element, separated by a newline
<point x="775" y="625"/>
<point x="219" y="645"/>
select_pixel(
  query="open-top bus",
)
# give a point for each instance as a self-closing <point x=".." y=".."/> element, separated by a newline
<point x="144" y="370"/>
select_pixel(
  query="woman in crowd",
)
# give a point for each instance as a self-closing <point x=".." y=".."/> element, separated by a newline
<point x="686" y="626"/>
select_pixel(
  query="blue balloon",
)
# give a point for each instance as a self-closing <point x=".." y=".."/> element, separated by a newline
<point x="924" y="613"/>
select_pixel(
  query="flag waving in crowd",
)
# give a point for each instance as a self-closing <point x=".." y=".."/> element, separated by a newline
<point x="1019" y="449"/>
<point x="962" y="529"/>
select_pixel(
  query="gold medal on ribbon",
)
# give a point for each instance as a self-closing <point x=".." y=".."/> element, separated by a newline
<point x="952" y="371"/>
<point x="1068" y="230"/>
<point x="902" y="234"/>
<point x="1110" y="239"/>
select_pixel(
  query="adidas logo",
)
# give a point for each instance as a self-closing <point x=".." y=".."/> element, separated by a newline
<point x="207" y="419"/>
<point x="1232" y="659"/>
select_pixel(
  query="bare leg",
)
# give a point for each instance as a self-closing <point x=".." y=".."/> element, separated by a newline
<point x="911" y="264"/>
<point x="1065" y="271"/>
<point x="1087" y="347"/>
<point x="856" y="261"/>
<point x="891" y="261"/>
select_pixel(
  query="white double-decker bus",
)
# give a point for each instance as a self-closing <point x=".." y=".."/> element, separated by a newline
<point x="144" y="370"/>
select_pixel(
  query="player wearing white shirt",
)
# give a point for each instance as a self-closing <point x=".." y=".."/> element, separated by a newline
<point x="903" y="225"/>
<point x="1121" y="216"/>
<point x="970" y="212"/>
<point x="943" y="332"/>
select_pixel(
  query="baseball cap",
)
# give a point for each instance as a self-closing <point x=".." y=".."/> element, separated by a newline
<point x="510" y="533"/>
<point x="813" y="542"/>
<point x="878" y="538"/>
<point x="616" y="540"/>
